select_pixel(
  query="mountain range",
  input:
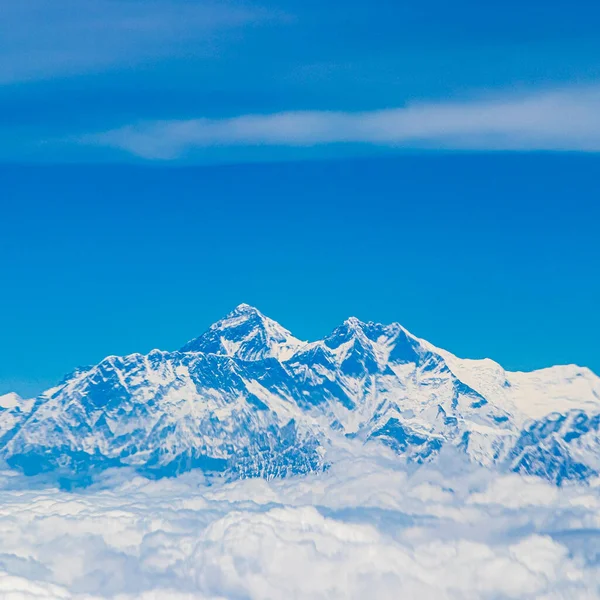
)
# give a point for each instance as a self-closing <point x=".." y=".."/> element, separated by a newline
<point x="248" y="399"/>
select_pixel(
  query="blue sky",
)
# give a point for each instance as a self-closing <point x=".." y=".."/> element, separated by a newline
<point x="430" y="163"/>
<point x="118" y="80"/>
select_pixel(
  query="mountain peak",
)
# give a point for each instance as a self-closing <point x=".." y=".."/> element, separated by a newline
<point x="244" y="309"/>
<point x="247" y="334"/>
<point x="353" y="328"/>
<point x="354" y="323"/>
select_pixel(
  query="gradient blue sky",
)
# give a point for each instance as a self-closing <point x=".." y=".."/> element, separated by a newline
<point x="433" y="163"/>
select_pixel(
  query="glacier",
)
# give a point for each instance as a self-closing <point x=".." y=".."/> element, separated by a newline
<point x="248" y="399"/>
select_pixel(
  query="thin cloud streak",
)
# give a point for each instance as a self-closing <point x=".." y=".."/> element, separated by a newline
<point x="72" y="37"/>
<point x="563" y="120"/>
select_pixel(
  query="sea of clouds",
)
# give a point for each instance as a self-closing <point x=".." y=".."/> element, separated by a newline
<point x="368" y="528"/>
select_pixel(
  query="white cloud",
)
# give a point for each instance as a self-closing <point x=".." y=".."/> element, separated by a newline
<point x="70" y="36"/>
<point x="367" y="528"/>
<point x="554" y="120"/>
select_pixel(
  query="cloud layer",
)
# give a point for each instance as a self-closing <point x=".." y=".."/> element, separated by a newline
<point x="558" y="120"/>
<point x="367" y="528"/>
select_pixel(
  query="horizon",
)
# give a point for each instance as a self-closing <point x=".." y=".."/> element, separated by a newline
<point x="492" y="258"/>
<point x="246" y="306"/>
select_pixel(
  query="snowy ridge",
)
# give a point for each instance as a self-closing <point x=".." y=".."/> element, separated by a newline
<point x="247" y="398"/>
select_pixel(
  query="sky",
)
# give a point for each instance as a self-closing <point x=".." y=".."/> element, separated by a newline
<point x="428" y="163"/>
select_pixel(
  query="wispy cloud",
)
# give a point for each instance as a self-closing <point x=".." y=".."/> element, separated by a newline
<point x="562" y="120"/>
<point x="41" y="39"/>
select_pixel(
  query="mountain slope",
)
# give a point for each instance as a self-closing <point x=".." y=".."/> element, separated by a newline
<point x="247" y="398"/>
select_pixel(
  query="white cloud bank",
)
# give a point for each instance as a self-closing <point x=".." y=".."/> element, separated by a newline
<point x="559" y="120"/>
<point x="366" y="529"/>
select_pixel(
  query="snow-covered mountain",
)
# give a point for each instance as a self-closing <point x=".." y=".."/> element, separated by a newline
<point x="247" y="398"/>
